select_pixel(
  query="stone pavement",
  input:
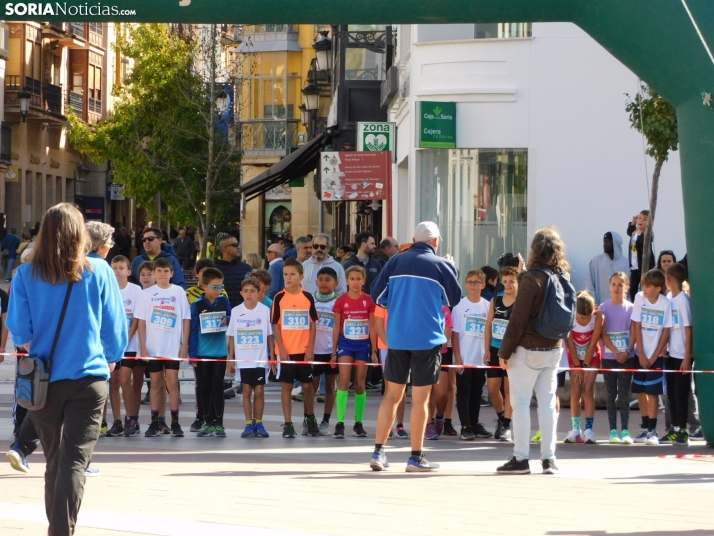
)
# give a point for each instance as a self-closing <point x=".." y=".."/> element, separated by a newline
<point x="167" y="486"/>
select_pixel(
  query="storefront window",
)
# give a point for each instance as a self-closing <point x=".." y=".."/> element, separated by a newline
<point x="478" y="197"/>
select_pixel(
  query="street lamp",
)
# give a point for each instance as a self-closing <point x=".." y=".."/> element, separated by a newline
<point x="24" y="97"/>
<point x="304" y="115"/>
<point x="312" y="96"/>
<point x="323" y="52"/>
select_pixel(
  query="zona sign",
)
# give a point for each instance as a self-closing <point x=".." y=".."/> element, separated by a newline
<point x="376" y="137"/>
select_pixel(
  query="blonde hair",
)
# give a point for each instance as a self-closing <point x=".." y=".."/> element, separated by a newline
<point x="254" y="261"/>
<point x="548" y="251"/>
<point x="585" y="303"/>
<point x="623" y="276"/>
<point x="478" y="273"/>
<point x="359" y="269"/>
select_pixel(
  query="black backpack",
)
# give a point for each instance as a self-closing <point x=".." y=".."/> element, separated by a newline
<point x="557" y="314"/>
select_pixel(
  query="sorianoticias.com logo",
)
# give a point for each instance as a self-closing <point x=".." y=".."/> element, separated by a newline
<point x="63" y="8"/>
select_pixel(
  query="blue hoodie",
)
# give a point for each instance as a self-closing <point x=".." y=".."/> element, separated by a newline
<point x="414" y="286"/>
<point x="166" y="251"/>
<point x="94" y="330"/>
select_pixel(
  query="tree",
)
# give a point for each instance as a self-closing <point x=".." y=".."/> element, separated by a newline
<point x="656" y="119"/>
<point x="167" y="134"/>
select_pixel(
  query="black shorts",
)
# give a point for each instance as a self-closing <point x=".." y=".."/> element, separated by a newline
<point x="650" y="383"/>
<point x="561" y="378"/>
<point x="425" y="366"/>
<point x="289" y="372"/>
<point x="327" y="370"/>
<point x="447" y="358"/>
<point x="253" y="376"/>
<point x="160" y="365"/>
<point x="131" y="363"/>
<point x="494" y="362"/>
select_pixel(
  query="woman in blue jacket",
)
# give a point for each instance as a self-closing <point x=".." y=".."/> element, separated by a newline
<point x="91" y="341"/>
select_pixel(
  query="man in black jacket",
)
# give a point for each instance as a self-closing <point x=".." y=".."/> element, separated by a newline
<point x="233" y="269"/>
<point x="636" y="232"/>
<point x="366" y="244"/>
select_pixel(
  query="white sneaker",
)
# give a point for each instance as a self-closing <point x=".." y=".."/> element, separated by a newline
<point x="507" y="435"/>
<point x="589" y="436"/>
<point x="652" y="438"/>
<point x="626" y="439"/>
<point x="574" y="436"/>
<point x="641" y="437"/>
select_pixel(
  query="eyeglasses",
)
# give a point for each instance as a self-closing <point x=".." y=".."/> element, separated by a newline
<point x="149" y="238"/>
<point x="474" y="282"/>
<point x="216" y="287"/>
<point x="319" y="246"/>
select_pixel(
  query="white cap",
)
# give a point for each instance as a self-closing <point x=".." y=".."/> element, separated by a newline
<point x="426" y="231"/>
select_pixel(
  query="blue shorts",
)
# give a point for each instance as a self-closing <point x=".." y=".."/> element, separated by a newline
<point x="357" y="350"/>
<point x="650" y="382"/>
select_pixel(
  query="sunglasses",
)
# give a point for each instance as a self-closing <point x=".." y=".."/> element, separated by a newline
<point x="233" y="245"/>
<point x="149" y="238"/>
<point x="319" y="246"/>
<point x="216" y="287"/>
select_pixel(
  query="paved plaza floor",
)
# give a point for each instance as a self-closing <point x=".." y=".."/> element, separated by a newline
<point x="168" y="486"/>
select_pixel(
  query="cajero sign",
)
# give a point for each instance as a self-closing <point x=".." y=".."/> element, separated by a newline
<point x="437" y="125"/>
<point x="376" y="137"/>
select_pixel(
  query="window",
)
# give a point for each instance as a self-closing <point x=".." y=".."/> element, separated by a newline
<point x="96" y="27"/>
<point x="94" y="85"/>
<point x="502" y="30"/>
<point x="272" y="89"/>
<point x="478" y="197"/>
<point x="33" y="66"/>
<point x="363" y="64"/>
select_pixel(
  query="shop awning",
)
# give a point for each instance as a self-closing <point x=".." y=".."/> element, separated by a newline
<point x="293" y="166"/>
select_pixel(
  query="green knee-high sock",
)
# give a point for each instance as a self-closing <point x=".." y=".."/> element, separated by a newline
<point x="360" y="403"/>
<point x="341" y="400"/>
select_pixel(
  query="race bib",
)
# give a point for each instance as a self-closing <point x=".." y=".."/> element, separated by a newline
<point x="356" y="330"/>
<point x="475" y="326"/>
<point x="129" y="319"/>
<point x="581" y="350"/>
<point x="163" y="320"/>
<point x="326" y="322"/>
<point x="498" y="328"/>
<point x="249" y="338"/>
<point x="212" y="322"/>
<point x="621" y="340"/>
<point x="652" y="319"/>
<point x="296" y="320"/>
<point x="675" y="319"/>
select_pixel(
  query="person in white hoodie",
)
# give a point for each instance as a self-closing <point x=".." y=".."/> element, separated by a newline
<point x="321" y="259"/>
<point x="604" y="265"/>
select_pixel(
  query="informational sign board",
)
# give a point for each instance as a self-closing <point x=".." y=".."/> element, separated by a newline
<point x="355" y="175"/>
<point x="437" y="125"/>
<point x="377" y="137"/>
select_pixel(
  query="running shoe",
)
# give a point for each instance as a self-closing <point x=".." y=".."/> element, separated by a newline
<point x="402" y="433"/>
<point x="697" y="435"/>
<point x="339" y="431"/>
<point x="480" y="431"/>
<point x="682" y="438"/>
<point x="549" y="467"/>
<point x="391" y="434"/>
<point x="130" y="428"/>
<point x="324" y="428"/>
<point x="300" y="397"/>
<point x="652" y="438"/>
<point x="260" y="430"/>
<point x="467" y="433"/>
<point x="104" y="429"/>
<point x="485" y="403"/>
<point x="176" y="430"/>
<point x="379" y="461"/>
<point x="359" y="430"/>
<point x="146" y="400"/>
<point x="449" y="430"/>
<point x="507" y="435"/>
<point x="514" y="467"/>
<point x="421" y="465"/>
<point x="303" y="430"/>
<point x="321" y="397"/>
<point x="91" y="471"/>
<point x="626" y="438"/>
<point x="220" y="431"/>
<point x="17" y="459"/>
<point x="370" y="386"/>
<point x="589" y="436"/>
<point x="537" y="437"/>
<point x="439" y="424"/>
<point x="164" y="428"/>
<point x="153" y="430"/>
<point x="313" y="430"/>
<point x="430" y="432"/>
<point x="499" y="429"/>
<point x="206" y="431"/>
<point x="614" y="437"/>
<point x="116" y="430"/>
<point x="574" y="436"/>
<point x="197" y="425"/>
<point x="641" y="437"/>
<point x="668" y="438"/>
<point x="288" y="431"/>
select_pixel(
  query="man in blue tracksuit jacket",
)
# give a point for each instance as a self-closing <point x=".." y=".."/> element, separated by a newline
<point x="414" y="286"/>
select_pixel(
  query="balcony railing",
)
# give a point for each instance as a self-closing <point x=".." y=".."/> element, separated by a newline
<point x="269" y="135"/>
<point x="33" y="86"/>
<point x="6" y="143"/>
<point x="271" y="28"/>
<point x="77" y="28"/>
<point x="95" y="105"/>
<point x="12" y="82"/>
<point x="52" y="97"/>
<point x="76" y="102"/>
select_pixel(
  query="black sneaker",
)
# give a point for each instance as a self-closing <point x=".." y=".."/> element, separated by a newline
<point x="146" y="400"/>
<point x="116" y="430"/>
<point x="288" y="431"/>
<point x="549" y="467"/>
<point x="358" y="430"/>
<point x="669" y="437"/>
<point x="339" y="430"/>
<point x="196" y="425"/>
<point x="176" y="430"/>
<point x="467" y="433"/>
<point x="164" y="428"/>
<point x="449" y="430"/>
<point x="153" y="430"/>
<point x="485" y="403"/>
<point x="480" y="431"/>
<point x="514" y="467"/>
<point x="313" y="429"/>
<point x="499" y="429"/>
<point x="682" y="438"/>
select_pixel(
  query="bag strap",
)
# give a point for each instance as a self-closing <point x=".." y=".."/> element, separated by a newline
<point x="59" y="325"/>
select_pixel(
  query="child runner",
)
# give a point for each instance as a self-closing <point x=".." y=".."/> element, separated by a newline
<point x="146" y="274"/>
<point x="250" y="343"/>
<point x="130" y="368"/>
<point x="325" y="297"/>
<point x="207" y="343"/>
<point x="584" y="353"/>
<point x="164" y="327"/>
<point x="354" y="341"/>
<point x="679" y="384"/>
<point x="468" y="341"/>
<point x="293" y="318"/>
<point x="194" y="293"/>
<point x="440" y="391"/>
<point x="265" y="279"/>
<point x="146" y="279"/>
<point x="652" y="322"/>
<point x="498" y="315"/>
<point x="618" y="340"/>
<point x="380" y="325"/>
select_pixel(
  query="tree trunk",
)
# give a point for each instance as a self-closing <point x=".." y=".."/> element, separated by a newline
<point x="653" y="208"/>
<point x="211" y="140"/>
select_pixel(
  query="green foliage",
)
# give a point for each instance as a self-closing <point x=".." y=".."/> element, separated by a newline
<point x="656" y="118"/>
<point x="160" y="134"/>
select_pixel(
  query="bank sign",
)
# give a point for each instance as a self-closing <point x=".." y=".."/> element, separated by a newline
<point x="376" y="137"/>
<point x="437" y="125"/>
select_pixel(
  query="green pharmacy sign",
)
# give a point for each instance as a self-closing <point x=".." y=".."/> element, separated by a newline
<point x="437" y="125"/>
<point x="376" y="137"/>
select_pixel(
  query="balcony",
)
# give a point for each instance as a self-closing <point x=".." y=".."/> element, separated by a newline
<point x="269" y="138"/>
<point x="270" y="37"/>
<point x="6" y="144"/>
<point x="77" y="29"/>
<point x="55" y="29"/>
<point x="52" y="98"/>
<point x="75" y="101"/>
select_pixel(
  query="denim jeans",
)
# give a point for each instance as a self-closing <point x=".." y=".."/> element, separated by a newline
<point x="529" y="370"/>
